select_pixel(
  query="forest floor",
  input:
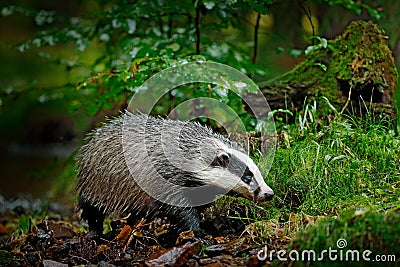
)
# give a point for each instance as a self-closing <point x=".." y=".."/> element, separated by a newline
<point x="56" y="237"/>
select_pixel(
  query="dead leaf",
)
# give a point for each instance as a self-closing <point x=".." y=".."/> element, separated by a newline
<point x="3" y="229"/>
<point x="124" y="234"/>
<point x="184" y="237"/>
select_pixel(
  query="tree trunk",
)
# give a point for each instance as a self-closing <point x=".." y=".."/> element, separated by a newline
<point x="355" y="72"/>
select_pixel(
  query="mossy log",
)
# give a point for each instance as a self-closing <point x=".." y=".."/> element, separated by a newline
<point x="355" y="72"/>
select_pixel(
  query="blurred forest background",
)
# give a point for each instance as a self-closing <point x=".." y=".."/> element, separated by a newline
<point x="66" y="64"/>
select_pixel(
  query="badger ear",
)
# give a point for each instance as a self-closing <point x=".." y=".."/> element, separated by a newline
<point x="222" y="160"/>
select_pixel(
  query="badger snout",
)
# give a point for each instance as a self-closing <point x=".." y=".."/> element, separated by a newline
<point x="269" y="195"/>
<point x="261" y="195"/>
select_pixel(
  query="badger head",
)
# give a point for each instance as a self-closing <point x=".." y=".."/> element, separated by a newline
<point x="233" y="169"/>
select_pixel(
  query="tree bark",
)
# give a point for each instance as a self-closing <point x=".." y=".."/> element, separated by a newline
<point x="355" y="72"/>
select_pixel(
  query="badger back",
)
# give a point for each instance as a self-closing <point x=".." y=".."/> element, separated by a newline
<point x="133" y="148"/>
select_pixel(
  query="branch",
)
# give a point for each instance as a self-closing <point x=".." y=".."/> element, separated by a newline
<point x="308" y="14"/>
<point x="170" y="27"/>
<point x="196" y="25"/>
<point x="256" y="38"/>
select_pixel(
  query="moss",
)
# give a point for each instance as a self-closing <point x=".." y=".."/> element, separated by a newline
<point x="6" y="259"/>
<point x="361" y="57"/>
<point x="357" y="63"/>
<point x="362" y="230"/>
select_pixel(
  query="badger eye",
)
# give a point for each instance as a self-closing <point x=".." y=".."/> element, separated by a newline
<point x="247" y="179"/>
<point x="247" y="176"/>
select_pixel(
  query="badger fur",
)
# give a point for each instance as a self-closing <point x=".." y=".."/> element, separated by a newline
<point x="137" y="149"/>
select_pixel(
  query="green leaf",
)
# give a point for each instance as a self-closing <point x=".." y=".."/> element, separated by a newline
<point x="175" y="47"/>
<point x="322" y="66"/>
<point x="323" y="43"/>
<point x="260" y="6"/>
<point x="44" y="17"/>
<point x="374" y="13"/>
<point x="131" y="25"/>
<point x="295" y="53"/>
<point x="7" y="11"/>
<point x="92" y="108"/>
<point x="209" y="4"/>
<point x="24" y="223"/>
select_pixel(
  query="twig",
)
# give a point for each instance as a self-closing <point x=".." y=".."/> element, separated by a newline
<point x="308" y="14"/>
<point x="256" y="38"/>
<point x="161" y="25"/>
<point x="170" y="27"/>
<point x="347" y="102"/>
<point x="196" y="25"/>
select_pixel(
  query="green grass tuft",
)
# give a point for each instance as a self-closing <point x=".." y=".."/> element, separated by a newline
<point x="347" y="172"/>
<point x="339" y="166"/>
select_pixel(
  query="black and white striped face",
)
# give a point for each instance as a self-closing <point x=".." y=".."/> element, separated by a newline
<point x="235" y="170"/>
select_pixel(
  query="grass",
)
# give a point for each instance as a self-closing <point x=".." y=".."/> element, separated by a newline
<point x="346" y="173"/>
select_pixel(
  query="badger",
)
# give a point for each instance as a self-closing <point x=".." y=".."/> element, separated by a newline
<point x="151" y="166"/>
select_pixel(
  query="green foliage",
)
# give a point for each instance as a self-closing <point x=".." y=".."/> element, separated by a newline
<point x="364" y="229"/>
<point x="320" y="168"/>
<point x="355" y="6"/>
<point x="137" y="40"/>
<point x="25" y="223"/>
<point x="343" y="170"/>
<point x="323" y="44"/>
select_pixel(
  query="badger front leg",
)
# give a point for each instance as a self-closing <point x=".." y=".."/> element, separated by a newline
<point x="93" y="215"/>
<point x="187" y="218"/>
